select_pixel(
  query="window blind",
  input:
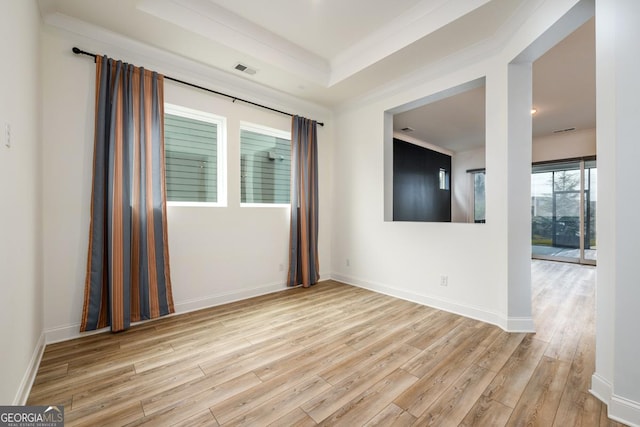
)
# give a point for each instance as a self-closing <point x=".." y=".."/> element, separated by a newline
<point x="191" y="159"/>
<point x="265" y="168"/>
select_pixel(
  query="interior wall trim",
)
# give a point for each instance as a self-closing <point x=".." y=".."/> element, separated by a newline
<point x="220" y="299"/>
<point x="476" y="313"/>
<point x="30" y="374"/>
<point x="618" y="408"/>
<point x="72" y="331"/>
<point x="625" y="411"/>
<point x="601" y="388"/>
<point x="69" y="332"/>
<point x="117" y="45"/>
<point x="520" y="324"/>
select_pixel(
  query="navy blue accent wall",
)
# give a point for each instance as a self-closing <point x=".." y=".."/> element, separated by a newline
<point x="416" y="184"/>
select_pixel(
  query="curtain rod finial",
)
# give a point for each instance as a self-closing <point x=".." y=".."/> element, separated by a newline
<point x="76" y="50"/>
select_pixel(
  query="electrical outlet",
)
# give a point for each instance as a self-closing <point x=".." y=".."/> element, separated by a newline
<point x="444" y="280"/>
<point x="348" y="262"/>
<point x="281" y="267"/>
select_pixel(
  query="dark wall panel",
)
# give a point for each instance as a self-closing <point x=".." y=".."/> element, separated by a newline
<point x="416" y="184"/>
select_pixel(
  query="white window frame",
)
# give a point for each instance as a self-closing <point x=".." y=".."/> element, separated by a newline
<point x="265" y="130"/>
<point x="221" y="128"/>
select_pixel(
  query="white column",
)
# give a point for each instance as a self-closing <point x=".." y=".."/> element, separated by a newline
<point x="617" y="376"/>
<point x="518" y="196"/>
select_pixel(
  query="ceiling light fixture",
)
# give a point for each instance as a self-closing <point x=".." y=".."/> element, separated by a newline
<point x="533" y="111"/>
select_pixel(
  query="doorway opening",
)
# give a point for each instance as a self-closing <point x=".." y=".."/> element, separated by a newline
<point x="564" y="171"/>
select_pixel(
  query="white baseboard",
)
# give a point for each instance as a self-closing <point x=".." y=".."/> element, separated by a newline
<point x="624" y="411"/>
<point x="30" y="375"/>
<point x="618" y="408"/>
<point x="219" y="299"/>
<point x="509" y="325"/>
<point x="601" y="388"/>
<point x="520" y="324"/>
<point x="69" y="332"/>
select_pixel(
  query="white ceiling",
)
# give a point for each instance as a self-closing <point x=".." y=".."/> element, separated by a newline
<point x="332" y="51"/>
<point x="324" y="51"/>
<point x="564" y="84"/>
<point x="455" y="122"/>
<point x="306" y="22"/>
<point x="564" y="95"/>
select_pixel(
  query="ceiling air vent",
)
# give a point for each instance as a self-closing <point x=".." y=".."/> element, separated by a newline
<point x="245" y="69"/>
<point x="407" y="129"/>
<point x="564" y="130"/>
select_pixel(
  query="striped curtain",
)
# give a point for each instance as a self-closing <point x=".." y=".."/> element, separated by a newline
<point x="303" y="241"/>
<point x="128" y="261"/>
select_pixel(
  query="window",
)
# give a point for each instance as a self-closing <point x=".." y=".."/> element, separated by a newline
<point x="478" y="197"/>
<point x="265" y="165"/>
<point x="194" y="146"/>
<point x="443" y="178"/>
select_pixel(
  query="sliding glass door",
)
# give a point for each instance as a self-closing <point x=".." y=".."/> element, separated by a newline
<point x="590" y="209"/>
<point x="563" y="210"/>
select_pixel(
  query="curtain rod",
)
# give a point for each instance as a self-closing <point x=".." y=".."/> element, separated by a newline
<point x="78" y="51"/>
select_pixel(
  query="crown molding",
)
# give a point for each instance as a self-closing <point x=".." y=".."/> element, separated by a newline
<point x="419" y="21"/>
<point x="407" y="85"/>
<point x="225" y="27"/>
<point x="476" y="53"/>
<point x="165" y="62"/>
<point x="222" y="26"/>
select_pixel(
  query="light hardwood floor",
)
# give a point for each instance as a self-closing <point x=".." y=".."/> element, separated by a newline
<point x="337" y="355"/>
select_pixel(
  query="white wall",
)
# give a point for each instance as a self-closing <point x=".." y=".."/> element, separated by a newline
<point x="518" y="182"/>
<point x="403" y="259"/>
<point x="487" y="278"/>
<point x="216" y="254"/>
<point x="581" y="143"/>
<point x="406" y="259"/>
<point x="617" y="377"/>
<point x="20" y="214"/>
<point x="461" y="186"/>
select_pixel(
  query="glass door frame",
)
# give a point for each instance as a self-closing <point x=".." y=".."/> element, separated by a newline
<point x="582" y="210"/>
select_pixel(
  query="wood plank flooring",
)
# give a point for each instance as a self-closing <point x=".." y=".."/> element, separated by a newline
<point x="337" y="355"/>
